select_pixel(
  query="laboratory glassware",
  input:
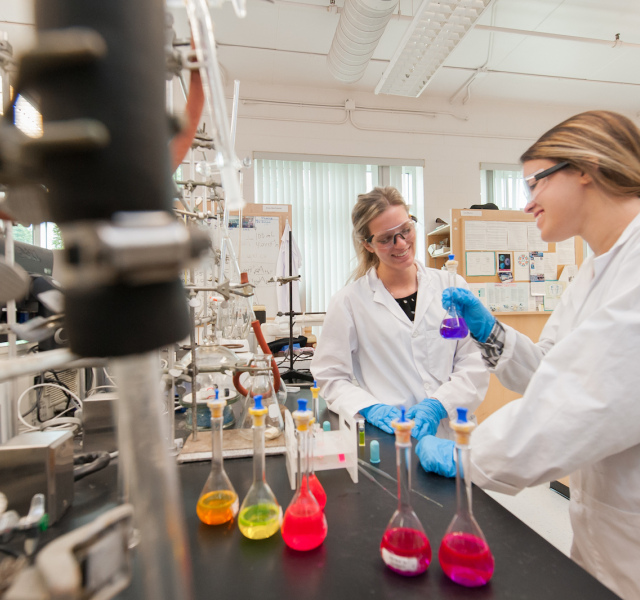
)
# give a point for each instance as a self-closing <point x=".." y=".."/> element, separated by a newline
<point x="262" y="384"/>
<point x="453" y="326"/>
<point x="304" y="526"/>
<point x="405" y="547"/>
<point x="260" y="514"/>
<point x="218" y="501"/>
<point x="316" y="431"/>
<point x="464" y="554"/>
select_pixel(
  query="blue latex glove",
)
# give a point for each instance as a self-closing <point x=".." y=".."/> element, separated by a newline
<point x="381" y="416"/>
<point x="436" y="455"/>
<point x="427" y="416"/>
<point x="479" y="320"/>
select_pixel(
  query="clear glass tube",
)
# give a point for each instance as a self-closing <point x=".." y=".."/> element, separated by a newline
<point x="464" y="554"/>
<point x="304" y="526"/>
<point x="218" y="501"/>
<point x="260" y="514"/>
<point x="153" y="478"/>
<point x="453" y="326"/>
<point x="405" y="547"/>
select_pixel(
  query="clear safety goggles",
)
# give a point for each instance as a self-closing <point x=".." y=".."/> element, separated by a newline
<point x="531" y="186"/>
<point x="388" y="238"/>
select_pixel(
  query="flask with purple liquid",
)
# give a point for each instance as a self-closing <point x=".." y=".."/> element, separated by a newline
<point x="453" y="326"/>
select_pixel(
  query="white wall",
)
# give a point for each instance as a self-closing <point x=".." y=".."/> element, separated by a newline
<point x="452" y="148"/>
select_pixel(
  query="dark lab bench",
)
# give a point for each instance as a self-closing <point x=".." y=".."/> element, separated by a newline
<point x="348" y="565"/>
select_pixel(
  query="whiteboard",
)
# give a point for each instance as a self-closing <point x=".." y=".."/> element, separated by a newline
<point x="257" y="244"/>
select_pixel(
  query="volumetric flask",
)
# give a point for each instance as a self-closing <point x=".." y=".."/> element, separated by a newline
<point x="218" y="501"/>
<point x="260" y="514"/>
<point x="464" y="554"/>
<point x="405" y="547"/>
<point x="453" y="326"/>
<point x="304" y="526"/>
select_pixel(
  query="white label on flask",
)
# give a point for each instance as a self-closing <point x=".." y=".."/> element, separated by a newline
<point x="274" y="411"/>
<point x="235" y="507"/>
<point x="401" y="563"/>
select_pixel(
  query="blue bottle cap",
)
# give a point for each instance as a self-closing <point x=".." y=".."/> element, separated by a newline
<point x="452" y="256"/>
<point x="403" y="418"/>
<point x="374" y="452"/>
<point x="216" y="393"/>
<point x="462" y="414"/>
<point x="326" y="426"/>
<point x="258" y="402"/>
<point x="302" y="404"/>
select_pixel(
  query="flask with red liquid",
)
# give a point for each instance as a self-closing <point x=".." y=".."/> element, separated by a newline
<point x="453" y="326"/>
<point x="405" y="547"/>
<point x="304" y="526"/>
<point x="464" y="554"/>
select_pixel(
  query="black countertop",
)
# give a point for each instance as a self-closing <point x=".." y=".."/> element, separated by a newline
<point x="348" y="564"/>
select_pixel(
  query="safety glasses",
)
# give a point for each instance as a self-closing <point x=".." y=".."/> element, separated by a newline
<point x="388" y="238"/>
<point x="531" y="181"/>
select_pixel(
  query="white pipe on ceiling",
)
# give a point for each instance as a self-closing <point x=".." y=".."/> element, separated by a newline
<point x="614" y="43"/>
<point x="361" y="25"/>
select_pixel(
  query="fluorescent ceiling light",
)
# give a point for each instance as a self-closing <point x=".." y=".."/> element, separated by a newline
<point x="435" y="31"/>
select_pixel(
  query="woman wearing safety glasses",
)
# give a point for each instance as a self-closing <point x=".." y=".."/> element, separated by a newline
<point x="580" y="410"/>
<point x="380" y="346"/>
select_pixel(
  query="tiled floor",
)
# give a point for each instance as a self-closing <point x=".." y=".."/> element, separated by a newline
<point x="542" y="509"/>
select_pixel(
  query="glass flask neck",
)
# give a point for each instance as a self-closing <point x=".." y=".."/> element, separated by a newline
<point x="463" y="482"/>
<point x="452" y="271"/>
<point x="303" y="462"/>
<point x="258" y="454"/>
<point x="403" y="463"/>
<point x="216" y="445"/>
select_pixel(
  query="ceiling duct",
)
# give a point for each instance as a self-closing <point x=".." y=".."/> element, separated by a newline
<point x="361" y="25"/>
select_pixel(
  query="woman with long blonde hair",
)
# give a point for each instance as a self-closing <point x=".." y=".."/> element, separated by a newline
<point x="580" y="412"/>
<point x="380" y="346"/>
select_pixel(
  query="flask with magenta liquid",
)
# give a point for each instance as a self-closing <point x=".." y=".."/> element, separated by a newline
<point x="314" y="483"/>
<point x="304" y="526"/>
<point x="260" y="514"/>
<point x="453" y="326"/>
<point x="464" y="554"/>
<point x="405" y="547"/>
<point x="218" y="501"/>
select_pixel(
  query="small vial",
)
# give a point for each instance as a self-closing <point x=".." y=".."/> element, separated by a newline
<point x="361" y="433"/>
<point x="374" y="452"/>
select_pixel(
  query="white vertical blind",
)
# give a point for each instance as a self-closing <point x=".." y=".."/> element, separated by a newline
<point x="322" y="196"/>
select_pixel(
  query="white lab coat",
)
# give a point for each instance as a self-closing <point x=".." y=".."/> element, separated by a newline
<point x="366" y="336"/>
<point x="580" y="413"/>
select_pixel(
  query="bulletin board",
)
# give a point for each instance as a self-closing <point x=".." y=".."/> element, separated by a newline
<point x="255" y="233"/>
<point x="504" y="247"/>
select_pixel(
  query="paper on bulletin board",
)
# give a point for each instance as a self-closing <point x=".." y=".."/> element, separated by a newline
<point x="521" y="266"/>
<point x="534" y="241"/>
<point x="566" y="251"/>
<point x="479" y="290"/>
<point x="553" y="291"/>
<point x="550" y="265"/>
<point x="508" y="297"/>
<point x="475" y="235"/>
<point x="517" y="236"/>
<point x="497" y="236"/>
<point x="536" y="273"/>
<point x="569" y="273"/>
<point x="479" y="264"/>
